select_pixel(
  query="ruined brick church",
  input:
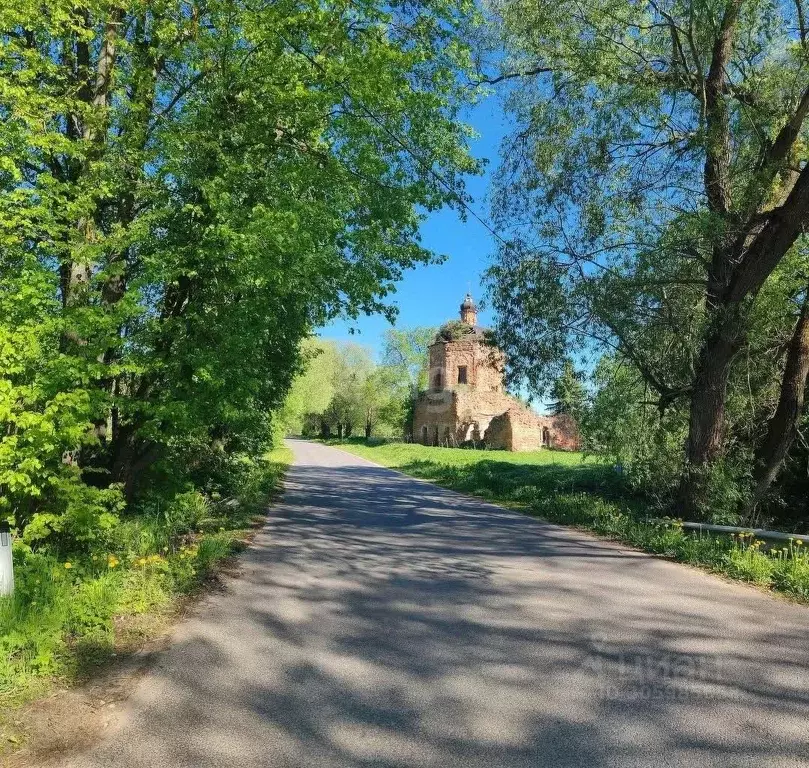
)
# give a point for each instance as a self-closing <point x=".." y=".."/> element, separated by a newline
<point x="466" y="400"/>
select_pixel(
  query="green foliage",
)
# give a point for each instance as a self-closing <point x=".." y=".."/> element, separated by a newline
<point x="343" y="391"/>
<point x="211" y="550"/>
<point x="623" y="426"/>
<point x="568" y="393"/>
<point x="63" y="609"/>
<point x="405" y="353"/>
<point x="569" y="489"/>
<point x="313" y="387"/>
<point x="629" y="119"/>
<point x="453" y="330"/>
<point x="93" y="605"/>
<point x="176" y="217"/>
<point x="33" y="622"/>
<point x="351" y="384"/>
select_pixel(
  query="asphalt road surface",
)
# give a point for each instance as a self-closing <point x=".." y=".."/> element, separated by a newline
<point x="381" y="621"/>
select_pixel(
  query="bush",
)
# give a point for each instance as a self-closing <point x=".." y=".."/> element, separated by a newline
<point x="211" y="551"/>
<point x="33" y="621"/>
<point x="93" y="604"/>
<point x="64" y="605"/>
<point x="749" y="564"/>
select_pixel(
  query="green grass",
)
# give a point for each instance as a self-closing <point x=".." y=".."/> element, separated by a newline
<point x="571" y="489"/>
<point x="515" y="478"/>
<point x="68" y="615"/>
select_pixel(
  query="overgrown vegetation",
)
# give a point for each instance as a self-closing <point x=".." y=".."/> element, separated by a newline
<point x="570" y="489"/>
<point x="71" y="611"/>
<point x="187" y="190"/>
<point x="655" y="191"/>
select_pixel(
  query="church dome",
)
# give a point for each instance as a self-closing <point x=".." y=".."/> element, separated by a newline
<point x="468" y="303"/>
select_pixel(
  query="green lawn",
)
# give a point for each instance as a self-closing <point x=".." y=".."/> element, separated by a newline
<point x="571" y="489"/>
<point x="516" y="478"/>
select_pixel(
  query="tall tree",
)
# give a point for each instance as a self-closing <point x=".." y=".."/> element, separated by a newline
<point x="188" y="188"/>
<point x="661" y="167"/>
<point x="313" y="388"/>
<point x="405" y="355"/>
<point x="349" y="405"/>
<point x="405" y="350"/>
<point x="568" y="393"/>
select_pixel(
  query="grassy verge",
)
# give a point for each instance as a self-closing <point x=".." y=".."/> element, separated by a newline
<point x="68" y="615"/>
<point x="569" y="489"/>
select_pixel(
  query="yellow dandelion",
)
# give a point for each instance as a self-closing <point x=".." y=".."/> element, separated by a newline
<point x="68" y="565"/>
<point x="142" y="561"/>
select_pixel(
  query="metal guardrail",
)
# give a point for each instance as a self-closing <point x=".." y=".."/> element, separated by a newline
<point x="759" y="533"/>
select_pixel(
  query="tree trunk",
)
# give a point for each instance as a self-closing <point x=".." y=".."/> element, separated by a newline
<point x="339" y="430"/>
<point x="707" y="418"/>
<point x="783" y="425"/>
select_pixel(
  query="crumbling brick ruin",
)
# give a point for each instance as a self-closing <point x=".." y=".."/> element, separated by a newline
<point x="467" y="402"/>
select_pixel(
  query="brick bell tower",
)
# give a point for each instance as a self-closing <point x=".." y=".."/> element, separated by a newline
<point x="469" y="311"/>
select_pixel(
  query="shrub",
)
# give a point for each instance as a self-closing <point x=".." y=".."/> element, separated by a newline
<point x="64" y="607"/>
<point x="93" y="604"/>
<point x="32" y="621"/>
<point x="791" y="571"/>
<point x="211" y="550"/>
<point x="750" y="564"/>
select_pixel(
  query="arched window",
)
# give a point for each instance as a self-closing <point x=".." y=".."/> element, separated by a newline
<point x="424" y="435"/>
<point x="437" y="381"/>
<point x="546" y="437"/>
<point x="462" y="374"/>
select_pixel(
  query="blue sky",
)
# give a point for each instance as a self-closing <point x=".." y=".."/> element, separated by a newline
<point x="431" y="295"/>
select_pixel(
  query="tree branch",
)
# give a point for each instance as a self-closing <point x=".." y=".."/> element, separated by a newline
<point x="717" y="149"/>
<point x="513" y="75"/>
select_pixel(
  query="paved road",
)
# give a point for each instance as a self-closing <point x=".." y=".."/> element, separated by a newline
<point x="380" y="621"/>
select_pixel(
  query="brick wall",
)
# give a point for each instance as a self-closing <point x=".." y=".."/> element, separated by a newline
<point x="498" y="435"/>
<point x="484" y="365"/>
<point x="480" y="408"/>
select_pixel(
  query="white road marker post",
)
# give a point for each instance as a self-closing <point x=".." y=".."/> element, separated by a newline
<point x="6" y="562"/>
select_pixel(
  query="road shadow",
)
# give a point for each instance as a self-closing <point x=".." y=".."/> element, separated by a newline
<point x="380" y="621"/>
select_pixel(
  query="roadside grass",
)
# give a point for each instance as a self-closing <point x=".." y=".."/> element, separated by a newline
<point x="572" y="489"/>
<point x="67" y="616"/>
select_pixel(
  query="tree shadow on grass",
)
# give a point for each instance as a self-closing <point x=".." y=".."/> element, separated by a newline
<point x="508" y="481"/>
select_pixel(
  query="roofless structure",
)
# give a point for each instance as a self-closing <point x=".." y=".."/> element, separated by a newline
<point x="467" y="401"/>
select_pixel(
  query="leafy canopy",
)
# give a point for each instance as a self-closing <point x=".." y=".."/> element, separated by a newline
<point x="187" y="189"/>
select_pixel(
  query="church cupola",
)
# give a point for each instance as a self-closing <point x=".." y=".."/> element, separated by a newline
<point x="469" y="311"/>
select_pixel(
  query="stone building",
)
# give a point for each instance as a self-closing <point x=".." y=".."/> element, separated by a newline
<point x="467" y="402"/>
